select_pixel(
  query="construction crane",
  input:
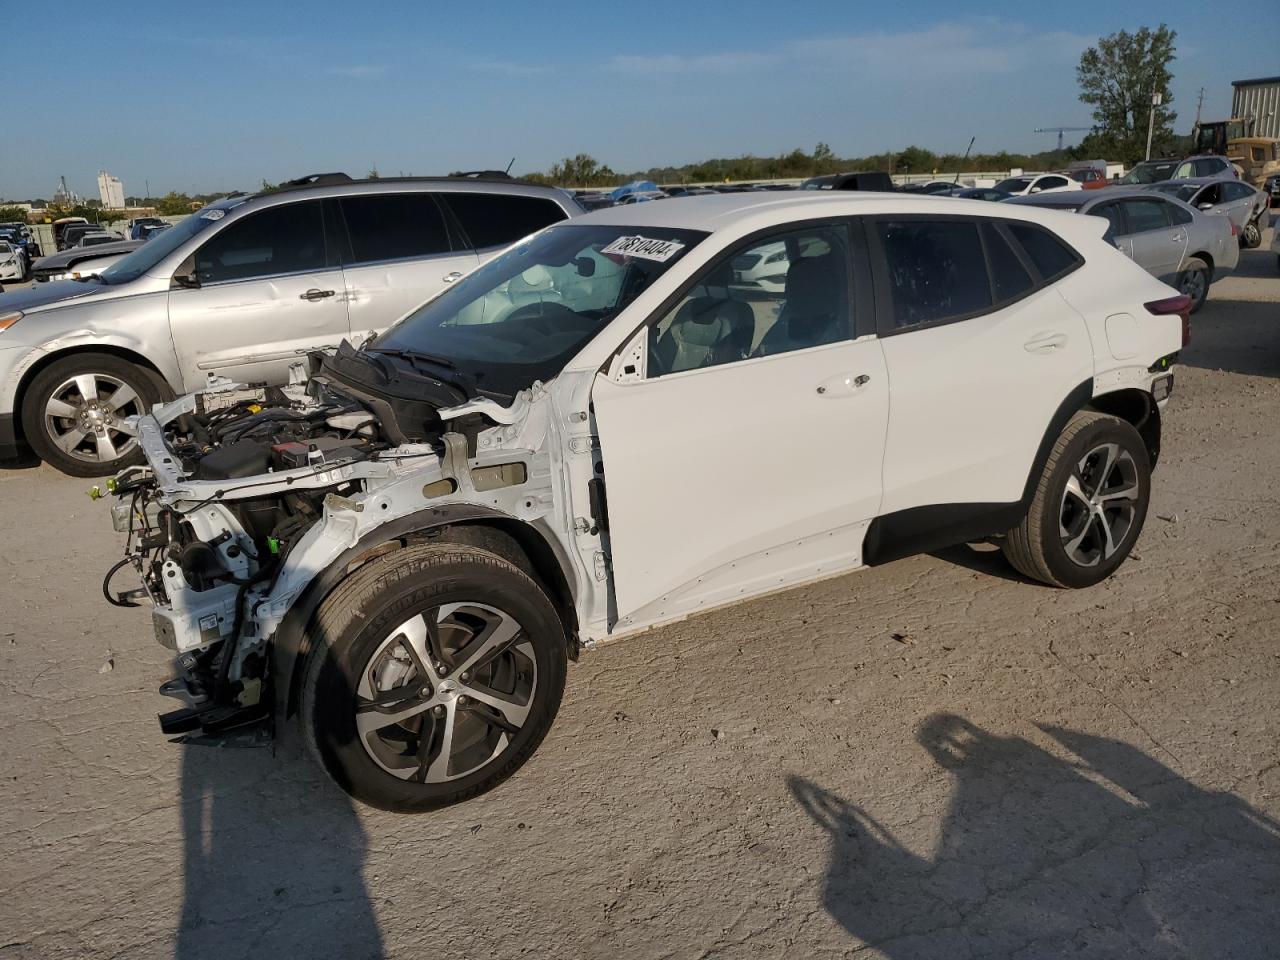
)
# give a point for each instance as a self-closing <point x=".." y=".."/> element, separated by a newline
<point x="1060" y="131"/>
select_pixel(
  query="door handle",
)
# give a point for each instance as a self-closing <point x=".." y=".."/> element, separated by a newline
<point x="1045" y="343"/>
<point x="314" y="294"/>
<point x="1177" y="238"/>
<point x="451" y="277"/>
<point x="842" y="385"/>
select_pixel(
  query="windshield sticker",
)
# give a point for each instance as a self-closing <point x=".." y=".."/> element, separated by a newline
<point x="644" y="248"/>
<point x="213" y="214"/>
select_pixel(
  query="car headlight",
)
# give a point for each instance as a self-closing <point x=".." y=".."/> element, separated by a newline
<point x="7" y="320"/>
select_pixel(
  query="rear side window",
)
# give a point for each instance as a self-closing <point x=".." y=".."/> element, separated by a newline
<point x="283" y="239"/>
<point x="1110" y="212"/>
<point x="936" y="270"/>
<point x="1146" y="215"/>
<point x="1009" y="278"/>
<point x="1208" y="168"/>
<point x="1051" y="256"/>
<point x="499" y="219"/>
<point x="1051" y="183"/>
<point x="394" y="226"/>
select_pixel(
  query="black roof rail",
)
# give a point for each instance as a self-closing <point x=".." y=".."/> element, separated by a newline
<point x="481" y="175"/>
<point x="315" y="180"/>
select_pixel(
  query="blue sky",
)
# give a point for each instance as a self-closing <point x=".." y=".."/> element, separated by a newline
<point x="152" y="92"/>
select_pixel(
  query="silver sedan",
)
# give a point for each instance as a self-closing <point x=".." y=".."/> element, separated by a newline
<point x="1241" y="203"/>
<point x="1177" y="243"/>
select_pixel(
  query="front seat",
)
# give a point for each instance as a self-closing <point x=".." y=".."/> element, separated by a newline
<point x="815" y="309"/>
<point x="706" y="330"/>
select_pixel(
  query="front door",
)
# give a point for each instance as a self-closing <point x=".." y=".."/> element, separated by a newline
<point x="746" y="455"/>
<point x="269" y="292"/>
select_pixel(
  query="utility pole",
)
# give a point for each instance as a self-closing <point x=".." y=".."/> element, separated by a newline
<point x="1199" y="104"/>
<point x="1156" y="100"/>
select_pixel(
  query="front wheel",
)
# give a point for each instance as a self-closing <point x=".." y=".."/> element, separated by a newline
<point x="74" y="411"/>
<point x="1089" y="505"/>
<point x="1194" y="282"/>
<point x="435" y="672"/>
<point x="1251" y="235"/>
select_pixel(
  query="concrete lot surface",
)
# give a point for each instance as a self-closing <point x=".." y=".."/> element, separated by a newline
<point x="932" y="759"/>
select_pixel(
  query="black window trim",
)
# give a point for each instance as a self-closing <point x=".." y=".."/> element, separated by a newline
<point x="458" y="244"/>
<point x="860" y="295"/>
<point x="455" y="221"/>
<point x="329" y="264"/>
<point x="885" y="313"/>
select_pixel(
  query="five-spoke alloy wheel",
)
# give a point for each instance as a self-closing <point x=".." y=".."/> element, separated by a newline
<point x="434" y="673"/>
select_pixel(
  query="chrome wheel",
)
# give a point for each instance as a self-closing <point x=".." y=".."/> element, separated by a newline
<point x="84" y="417"/>
<point x="1193" y="283"/>
<point x="446" y="692"/>
<point x="1099" y="504"/>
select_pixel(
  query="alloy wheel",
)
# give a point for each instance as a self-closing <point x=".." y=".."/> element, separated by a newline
<point x="1099" y="504"/>
<point x="446" y="692"/>
<point x="85" y="415"/>
<point x="1193" y="283"/>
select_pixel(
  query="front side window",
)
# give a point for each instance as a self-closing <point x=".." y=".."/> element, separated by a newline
<point x="394" y="226"/>
<point x="147" y="257"/>
<point x="1146" y="215"/>
<point x="498" y="219"/>
<point x="283" y="239"/>
<point x="525" y="314"/>
<point x="936" y="269"/>
<point x="1014" y="184"/>
<point x="785" y="292"/>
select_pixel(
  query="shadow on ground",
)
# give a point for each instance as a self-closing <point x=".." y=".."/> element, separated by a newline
<point x="1239" y="336"/>
<point x="273" y="867"/>
<point x="1107" y="854"/>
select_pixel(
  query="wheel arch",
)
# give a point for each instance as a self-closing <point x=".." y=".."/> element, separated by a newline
<point x="522" y="544"/>
<point x="110" y="349"/>
<point x="1137" y="408"/>
<point x="1207" y="259"/>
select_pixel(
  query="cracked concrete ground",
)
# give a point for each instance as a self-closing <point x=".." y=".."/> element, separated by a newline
<point x="1022" y="773"/>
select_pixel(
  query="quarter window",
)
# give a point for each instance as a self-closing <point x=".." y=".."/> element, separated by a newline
<point x="1051" y="256"/>
<point x="394" y="226"/>
<point x="499" y="219"/>
<point x="936" y="270"/>
<point x="1115" y="219"/>
<point x="1009" y="278"/>
<point x="278" y="240"/>
<point x="785" y="292"/>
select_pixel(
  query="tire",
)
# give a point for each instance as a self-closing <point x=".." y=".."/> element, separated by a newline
<point x="361" y="649"/>
<point x="1194" y="281"/>
<point x="1061" y="541"/>
<point x="60" y="387"/>
<point x="1251" y="235"/>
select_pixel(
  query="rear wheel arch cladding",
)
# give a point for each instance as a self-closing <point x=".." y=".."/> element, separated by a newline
<point x="1137" y="408"/>
<point x="462" y="523"/>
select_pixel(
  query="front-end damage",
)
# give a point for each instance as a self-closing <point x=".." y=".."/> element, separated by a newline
<point x="252" y="497"/>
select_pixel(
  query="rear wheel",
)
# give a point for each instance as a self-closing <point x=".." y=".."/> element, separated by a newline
<point x="73" y="413"/>
<point x="1089" y="505"/>
<point x="435" y="674"/>
<point x="1194" y="282"/>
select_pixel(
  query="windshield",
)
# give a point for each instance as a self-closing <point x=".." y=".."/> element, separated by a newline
<point x="1148" y="173"/>
<point x="1183" y="191"/>
<point x="522" y="316"/>
<point x="1014" y="184"/>
<point x="147" y="256"/>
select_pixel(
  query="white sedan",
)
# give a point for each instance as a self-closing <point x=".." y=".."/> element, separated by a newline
<point x="1025" y="185"/>
<point x="13" y="262"/>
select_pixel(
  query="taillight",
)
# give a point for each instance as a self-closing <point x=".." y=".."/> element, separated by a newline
<point x="1235" y="230"/>
<point x="1181" y="305"/>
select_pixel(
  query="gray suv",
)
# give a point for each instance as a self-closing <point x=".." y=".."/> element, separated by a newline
<point x="241" y="289"/>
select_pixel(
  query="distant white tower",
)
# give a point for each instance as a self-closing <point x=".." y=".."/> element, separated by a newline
<point x="110" y="191"/>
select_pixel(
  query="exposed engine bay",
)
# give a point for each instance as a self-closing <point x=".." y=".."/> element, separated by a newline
<point x="239" y="476"/>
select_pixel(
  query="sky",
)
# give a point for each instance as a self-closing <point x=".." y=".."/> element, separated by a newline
<point x="156" y="95"/>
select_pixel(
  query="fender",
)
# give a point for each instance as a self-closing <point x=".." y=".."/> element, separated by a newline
<point x="934" y="526"/>
<point x="160" y="355"/>
<point x="290" y="643"/>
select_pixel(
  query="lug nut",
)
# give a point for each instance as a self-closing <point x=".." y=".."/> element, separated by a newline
<point x="438" y="711"/>
<point x="465" y="677"/>
<point x="463" y="701"/>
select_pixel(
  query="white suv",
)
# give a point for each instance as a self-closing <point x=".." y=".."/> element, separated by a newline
<point x="598" y="431"/>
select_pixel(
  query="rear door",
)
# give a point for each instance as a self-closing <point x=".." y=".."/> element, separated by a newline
<point x="1156" y="242"/>
<point x="746" y="456"/>
<point x="270" y="291"/>
<point x="981" y="352"/>
<point x="399" y="254"/>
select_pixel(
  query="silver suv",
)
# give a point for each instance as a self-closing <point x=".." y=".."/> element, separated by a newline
<point x="241" y="289"/>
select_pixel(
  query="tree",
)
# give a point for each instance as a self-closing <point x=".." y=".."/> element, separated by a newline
<point x="1118" y="77"/>
<point x="173" y="204"/>
<point x="13" y="215"/>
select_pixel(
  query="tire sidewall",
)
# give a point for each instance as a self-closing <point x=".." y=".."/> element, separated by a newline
<point x="1107" y="430"/>
<point x="41" y="387"/>
<point x="332" y="718"/>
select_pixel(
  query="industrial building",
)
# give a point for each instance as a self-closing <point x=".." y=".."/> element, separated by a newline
<point x="1259" y="101"/>
<point x="110" y="191"/>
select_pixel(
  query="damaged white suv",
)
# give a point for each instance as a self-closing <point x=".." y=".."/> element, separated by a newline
<point x="600" y="431"/>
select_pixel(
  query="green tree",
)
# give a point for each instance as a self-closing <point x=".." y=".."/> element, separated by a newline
<point x="172" y="204"/>
<point x="13" y="215"/>
<point x="1118" y="77"/>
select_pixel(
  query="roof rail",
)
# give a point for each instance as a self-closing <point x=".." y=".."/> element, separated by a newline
<point x="481" y="175"/>
<point x="315" y="180"/>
